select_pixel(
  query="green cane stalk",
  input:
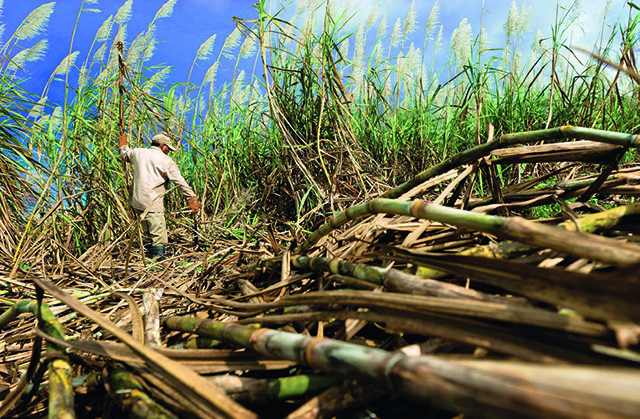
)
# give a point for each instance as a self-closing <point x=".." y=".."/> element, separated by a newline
<point x="490" y="387"/>
<point x="131" y="396"/>
<point x="590" y="223"/>
<point x="61" y="393"/>
<point x="392" y="279"/>
<point x="517" y="229"/>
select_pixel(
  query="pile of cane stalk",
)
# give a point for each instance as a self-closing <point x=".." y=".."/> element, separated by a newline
<point x="453" y="293"/>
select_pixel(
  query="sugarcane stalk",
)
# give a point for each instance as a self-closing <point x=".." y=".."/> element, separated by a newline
<point x="197" y="342"/>
<point x="474" y="387"/>
<point x="256" y="390"/>
<point x="61" y="390"/>
<point x="132" y="398"/>
<point x="512" y="313"/>
<point x="467" y="156"/>
<point x="563" y="190"/>
<point x="392" y="279"/>
<point x="397" y="207"/>
<point x="590" y="223"/>
<point x="61" y="393"/>
<point x="589" y="246"/>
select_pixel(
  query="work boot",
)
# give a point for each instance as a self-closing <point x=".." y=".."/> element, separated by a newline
<point x="156" y="252"/>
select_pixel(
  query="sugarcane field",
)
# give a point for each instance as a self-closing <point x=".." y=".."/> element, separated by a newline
<point x="319" y="209"/>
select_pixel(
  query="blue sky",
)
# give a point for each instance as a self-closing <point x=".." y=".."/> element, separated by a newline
<point x="193" y="21"/>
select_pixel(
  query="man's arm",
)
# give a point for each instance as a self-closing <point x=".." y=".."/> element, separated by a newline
<point x="175" y="176"/>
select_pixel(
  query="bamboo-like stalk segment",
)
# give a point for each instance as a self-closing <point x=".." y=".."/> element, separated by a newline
<point x="458" y="307"/>
<point x="257" y="390"/>
<point x="130" y="395"/>
<point x="464" y="157"/>
<point x="475" y="387"/>
<point x="589" y="246"/>
<point x="563" y="191"/>
<point x="61" y="393"/>
<point x="467" y="331"/>
<point x="397" y="207"/>
<point x="392" y="279"/>
<point x="590" y="223"/>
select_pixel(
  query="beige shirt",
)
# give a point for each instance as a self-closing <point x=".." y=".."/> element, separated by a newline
<point x="152" y="171"/>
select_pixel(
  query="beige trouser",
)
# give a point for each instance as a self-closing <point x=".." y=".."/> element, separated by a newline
<point x="154" y="227"/>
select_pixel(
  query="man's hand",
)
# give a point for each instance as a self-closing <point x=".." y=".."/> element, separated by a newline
<point x="122" y="140"/>
<point x="194" y="204"/>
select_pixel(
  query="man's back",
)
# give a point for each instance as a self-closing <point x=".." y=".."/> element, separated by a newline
<point x="152" y="169"/>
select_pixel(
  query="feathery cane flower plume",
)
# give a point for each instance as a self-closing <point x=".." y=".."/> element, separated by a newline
<point x="156" y="79"/>
<point x="97" y="56"/>
<point x="232" y="42"/>
<point x="56" y="119"/>
<point x="103" y="31"/>
<point x="2" y="26"/>
<point x="248" y="48"/>
<point x="382" y="27"/>
<point x="210" y="75"/>
<point x="134" y="52"/>
<point x="66" y="63"/>
<point x="166" y="10"/>
<point x="378" y="58"/>
<point x="35" y="53"/>
<point x="524" y="18"/>
<point x="539" y="45"/>
<point x="35" y="23"/>
<point x="38" y="108"/>
<point x="372" y="17"/>
<point x="123" y="15"/>
<point x="413" y="60"/>
<point x="461" y="42"/>
<point x="517" y="21"/>
<point x="433" y="21"/>
<point x="83" y="77"/>
<point x="238" y="96"/>
<point x="438" y="41"/>
<point x="344" y="47"/>
<point x="149" y="44"/>
<point x="91" y="9"/>
<point x="204" y="51"/>
<point x="358" y="52"/>
<point x="396" y="34"/>
<point x="510" y="26"/>
<point x="410" y="22"/>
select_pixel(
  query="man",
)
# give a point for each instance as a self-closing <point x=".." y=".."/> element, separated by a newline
<point x="152" y="171"/>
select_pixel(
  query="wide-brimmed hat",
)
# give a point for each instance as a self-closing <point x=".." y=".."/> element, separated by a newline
<point x="163" y="139"/>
